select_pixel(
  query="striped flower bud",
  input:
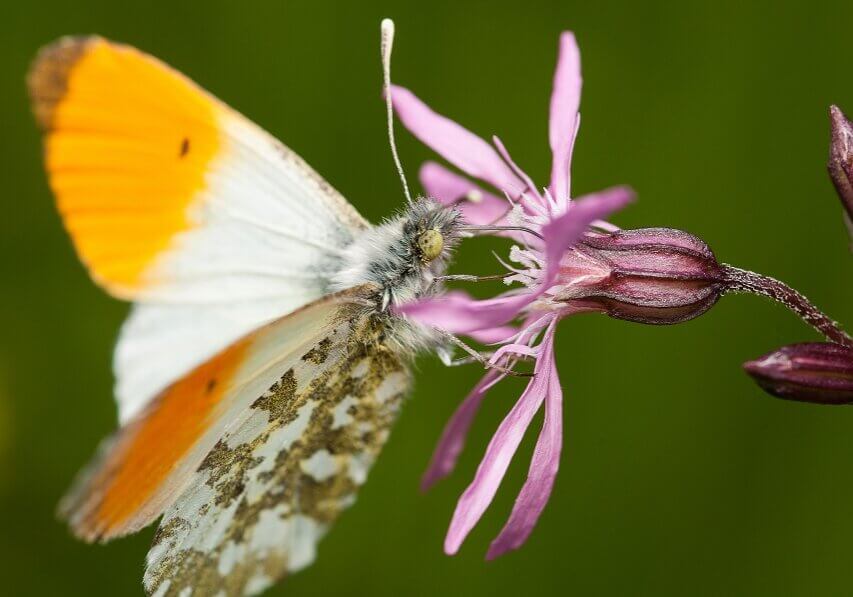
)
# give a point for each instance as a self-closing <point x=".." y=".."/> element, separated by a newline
<point x="651" y="275"/>
<point x="840" y="164"/>
<point x="819" y="372"/>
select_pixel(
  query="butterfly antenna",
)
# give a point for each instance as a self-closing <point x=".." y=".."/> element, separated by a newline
<point x="387" y="29"/>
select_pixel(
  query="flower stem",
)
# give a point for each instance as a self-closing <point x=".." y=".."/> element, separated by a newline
<point x="740" y="280"/>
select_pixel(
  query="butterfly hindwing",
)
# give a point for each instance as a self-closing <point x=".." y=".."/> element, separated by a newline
<point x="177" y="202"/>
<point x="151" y="460"/>
<point x="275" y="482"/>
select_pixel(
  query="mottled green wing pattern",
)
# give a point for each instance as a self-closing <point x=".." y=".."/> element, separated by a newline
<point x="277" y="480"/>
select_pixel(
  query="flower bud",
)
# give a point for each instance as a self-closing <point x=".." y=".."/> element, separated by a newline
<point x="841" y="159"/>
<point x="650" y="275"/>
<point x="820" y="372"/>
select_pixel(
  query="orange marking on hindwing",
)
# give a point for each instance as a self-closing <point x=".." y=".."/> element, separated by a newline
<point x="151" y="447"/>
<point x="128" y="144"/>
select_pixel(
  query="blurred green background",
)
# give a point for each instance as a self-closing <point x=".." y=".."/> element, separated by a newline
<point x="678" y="476"/>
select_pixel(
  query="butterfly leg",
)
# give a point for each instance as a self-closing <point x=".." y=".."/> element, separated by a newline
<point x="475" y="356"/>
<point x="471" y="278"/>
<point x="468" y="360"/>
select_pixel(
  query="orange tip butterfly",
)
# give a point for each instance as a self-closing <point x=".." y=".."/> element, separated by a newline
<point x="262" y="364"/>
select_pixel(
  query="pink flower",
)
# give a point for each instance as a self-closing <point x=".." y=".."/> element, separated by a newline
<point x="569" y="260"/>
<point x="547" y="268"/>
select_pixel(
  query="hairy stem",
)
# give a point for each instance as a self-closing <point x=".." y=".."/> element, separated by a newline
<point x="740" y="280"/>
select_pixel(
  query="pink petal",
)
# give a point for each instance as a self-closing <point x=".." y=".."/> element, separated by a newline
<point x="458" y="313"/>
<point x="500" y="451"/>
<point x="449" y="188"/>
<point x="562" y="126"/>
<point x="504" y="153"/>
<point x="532" y="204"/>
<point x="606" y="226"/>
<point x="516" y="349"/>
<point x="565" y="230"/>
<point x="457" y="145"/>
<point x="534" y="494"/>
<point x="453" y="437"/>
<point x="494" y="335"/>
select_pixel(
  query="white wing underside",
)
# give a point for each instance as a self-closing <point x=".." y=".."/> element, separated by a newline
<point x="269" y="233"/>
<point x="284" y="470"/>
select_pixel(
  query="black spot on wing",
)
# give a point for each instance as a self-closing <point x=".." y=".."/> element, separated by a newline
<point x="319" y="353"/>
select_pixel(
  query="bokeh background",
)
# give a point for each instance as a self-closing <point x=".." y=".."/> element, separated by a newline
<point x="678" y="475"/>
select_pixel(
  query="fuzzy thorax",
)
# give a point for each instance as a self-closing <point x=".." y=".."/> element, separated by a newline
<point x="402" y="256"/>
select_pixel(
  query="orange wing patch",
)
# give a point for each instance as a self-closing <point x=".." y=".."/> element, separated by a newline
<point x="147" y="464"/>
<point x="145" y="453"/>
<point x="128" y="142"/>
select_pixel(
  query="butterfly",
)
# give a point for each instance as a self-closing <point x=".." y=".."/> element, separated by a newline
<point x="262" y="363"/>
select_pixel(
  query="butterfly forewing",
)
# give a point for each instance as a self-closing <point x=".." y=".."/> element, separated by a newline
<point x="179" y="203"/>
<point x="275" y="482"/>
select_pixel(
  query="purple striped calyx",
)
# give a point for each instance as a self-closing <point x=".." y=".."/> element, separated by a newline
<point x="650" y="275"/>
<point x="818" y="372"/>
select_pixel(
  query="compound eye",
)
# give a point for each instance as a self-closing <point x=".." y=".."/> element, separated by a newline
<point x="430" y="244"/>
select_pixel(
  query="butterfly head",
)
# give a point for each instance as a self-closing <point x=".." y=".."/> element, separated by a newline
<point x="432" y="230"/>
<point x="403" y="255"/>
<point x="430" y="244"/>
